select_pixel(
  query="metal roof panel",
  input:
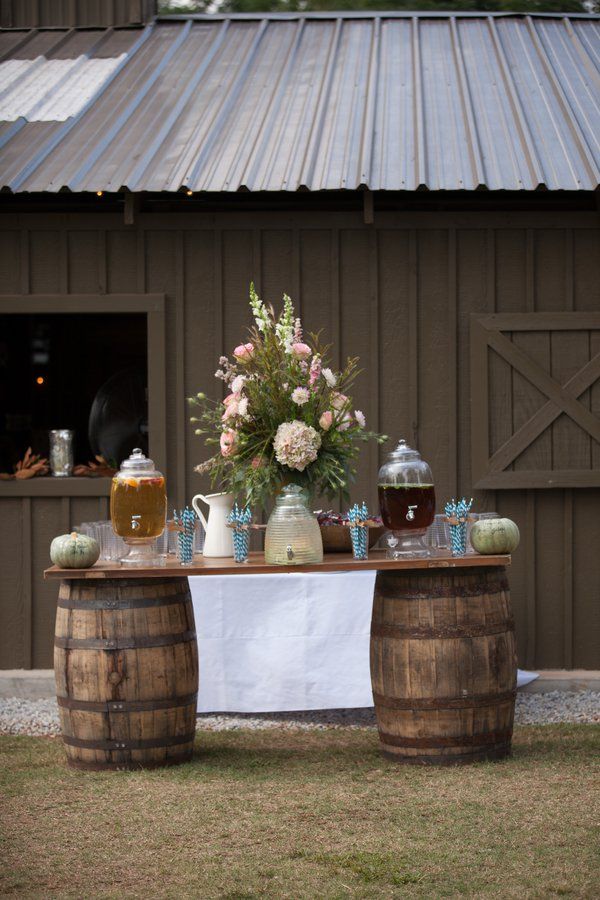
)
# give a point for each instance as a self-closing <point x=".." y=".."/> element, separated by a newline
<point x="319" y="102"/>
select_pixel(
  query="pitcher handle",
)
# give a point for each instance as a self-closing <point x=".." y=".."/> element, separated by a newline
<point x="199" y="512"/>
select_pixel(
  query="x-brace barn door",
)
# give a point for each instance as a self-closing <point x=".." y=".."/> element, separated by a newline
<point x="535" y="400"/>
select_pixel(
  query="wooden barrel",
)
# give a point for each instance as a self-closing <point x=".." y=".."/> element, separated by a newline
<point x="126" y="668"/>
<point x="443" y="664"/>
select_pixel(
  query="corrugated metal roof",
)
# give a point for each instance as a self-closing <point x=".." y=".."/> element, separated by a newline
<point x="317" y="102"/>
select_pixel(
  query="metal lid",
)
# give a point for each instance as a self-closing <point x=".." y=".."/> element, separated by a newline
<point x="137" y="461"/>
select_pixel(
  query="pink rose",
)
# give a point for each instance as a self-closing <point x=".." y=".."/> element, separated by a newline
<point x="227" y="441"/>
<point x="326" y="420"/>
<point x="231" y="403"/>
<point x="339" y="401"/>
<point x="300" y="350"/>
<point x="244" y="352"/>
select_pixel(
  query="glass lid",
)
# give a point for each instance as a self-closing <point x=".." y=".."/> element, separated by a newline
<point x="137" y="462"/>
<point x="404" y="465"/>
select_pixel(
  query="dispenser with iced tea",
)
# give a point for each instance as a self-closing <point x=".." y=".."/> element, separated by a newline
<point x="407" y="501"/>
<point x="138" y="508"/>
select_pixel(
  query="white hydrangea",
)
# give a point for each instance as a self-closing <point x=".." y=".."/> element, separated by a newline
<point x="360" y="418"/>
<point x="243" y="407"/>
<point x="296" y="445"/>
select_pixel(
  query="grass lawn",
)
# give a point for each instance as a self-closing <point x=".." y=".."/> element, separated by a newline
<point x="315" y="814"/>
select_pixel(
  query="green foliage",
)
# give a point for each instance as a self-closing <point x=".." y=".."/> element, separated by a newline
<point x="256" y="6"/>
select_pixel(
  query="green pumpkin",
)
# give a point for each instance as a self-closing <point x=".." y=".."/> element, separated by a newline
<point x="495" y="536"/>
<point x="74" y="551"/>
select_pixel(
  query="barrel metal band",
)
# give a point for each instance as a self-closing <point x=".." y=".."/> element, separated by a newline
<point x="126" y="706"/>
<point x="129" y="743"/>
<point x="123" y="602"/>
<point x="158" y="640"/>
<point x="498" y="751"/>
<point x="468" y="740"/>
<point x="425" y="632"/>
<point x="469" y="702"/>
<point x="476" y="590"/>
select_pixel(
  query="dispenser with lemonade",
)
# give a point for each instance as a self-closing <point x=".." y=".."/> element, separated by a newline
<point x="138" y="508"/>
<point x="407" y="502"/>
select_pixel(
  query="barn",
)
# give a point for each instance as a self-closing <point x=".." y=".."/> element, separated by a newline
<point x="424" y="186"/>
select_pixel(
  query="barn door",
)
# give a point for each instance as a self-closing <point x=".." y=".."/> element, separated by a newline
<point x="535" y="400"/>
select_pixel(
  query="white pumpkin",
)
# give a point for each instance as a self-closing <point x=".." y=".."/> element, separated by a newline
<point x="495" y="536"/>
<point x="74" y="551"/>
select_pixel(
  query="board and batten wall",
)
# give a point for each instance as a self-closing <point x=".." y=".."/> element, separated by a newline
<point x="401" y="295"/>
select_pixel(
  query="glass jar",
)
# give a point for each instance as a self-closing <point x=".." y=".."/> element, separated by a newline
<point x="138" y="507"/>
<point x="61" y="452"/>
<point x="293" y="535"/>
<point x="406" y="499"/>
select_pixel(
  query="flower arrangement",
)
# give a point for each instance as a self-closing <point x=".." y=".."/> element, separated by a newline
<point x="287" y="416"/>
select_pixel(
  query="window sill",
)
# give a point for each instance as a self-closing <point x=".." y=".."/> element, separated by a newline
<point x="48" y="486"/>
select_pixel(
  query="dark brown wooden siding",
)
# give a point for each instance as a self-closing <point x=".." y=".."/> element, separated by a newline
<point x="400" y="294"/>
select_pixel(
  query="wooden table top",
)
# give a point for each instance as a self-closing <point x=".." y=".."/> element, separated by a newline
<point x="256" y="565"/>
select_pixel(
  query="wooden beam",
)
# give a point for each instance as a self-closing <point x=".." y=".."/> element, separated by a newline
<point x="538" y="478"/>
<point x="132" y="208"/>
<point x="368" y="208"/>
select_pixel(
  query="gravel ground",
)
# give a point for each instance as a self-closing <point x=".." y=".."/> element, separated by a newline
<point x="39" y="717"/>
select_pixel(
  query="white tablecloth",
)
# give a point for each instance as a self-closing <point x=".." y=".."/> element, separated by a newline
<point x="269" y="643"/>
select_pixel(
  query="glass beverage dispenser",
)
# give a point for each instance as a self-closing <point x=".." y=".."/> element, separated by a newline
<point x="138" y="508"/>
<point x="407" y="502"/>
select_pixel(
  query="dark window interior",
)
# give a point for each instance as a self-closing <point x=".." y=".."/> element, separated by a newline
<point x="54" y="368"/>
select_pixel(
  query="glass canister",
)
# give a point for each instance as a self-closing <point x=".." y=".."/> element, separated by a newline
<point x="407" y="500"/>
<point x="61" y="452"/>
<point x="293" y="535"/>
<point x="138" y="508"/>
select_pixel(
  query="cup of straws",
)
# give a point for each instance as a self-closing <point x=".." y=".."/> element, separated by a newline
<point x="358" y="518"/>
<point x="184" y="523"/>
<point x="240" y="520"/>
<point x="457" y="516"/>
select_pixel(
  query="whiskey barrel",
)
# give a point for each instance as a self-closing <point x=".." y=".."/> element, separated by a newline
<point x="126" y="669"/>
<point x="443" y="664"/>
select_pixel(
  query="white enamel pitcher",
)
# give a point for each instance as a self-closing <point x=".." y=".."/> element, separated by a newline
<point x="219" y="538"/>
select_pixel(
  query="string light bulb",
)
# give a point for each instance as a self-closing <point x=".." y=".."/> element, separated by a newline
<point x="39" y="380"/>
<point x="99" y="193"/>
<point x="189" y="193"/>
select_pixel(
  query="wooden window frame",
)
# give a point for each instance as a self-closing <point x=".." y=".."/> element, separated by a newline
<point x="153" y="306"/>
<point x="489" y="472"/>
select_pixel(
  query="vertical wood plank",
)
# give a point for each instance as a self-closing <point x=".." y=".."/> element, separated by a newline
<point x="25" y="262"/>
<point x="452" y="363"/>
<point x="335" y="297"/>
<point x="26" y="583"/>
<point x="530" y="579"/>
<point x="180" y="408"/>
<point x="413" y="336"/>
<point x="65" y="514"/>
<point x="568" y="579"/>
<point x="374" y="358"/>
<point x="63" y="264"/>
<point x="102" y="261"/>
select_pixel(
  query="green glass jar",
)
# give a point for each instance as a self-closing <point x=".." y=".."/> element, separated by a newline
<point x="293" y="535"/>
